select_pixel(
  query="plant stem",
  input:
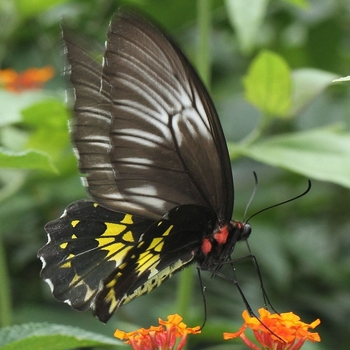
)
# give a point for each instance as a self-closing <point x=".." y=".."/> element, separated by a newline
<point x="203" y="61"/>
<point x="5" y="299"/>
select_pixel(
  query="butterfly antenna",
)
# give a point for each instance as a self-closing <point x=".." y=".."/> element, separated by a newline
<point x="251" y="197"/>
<point x="284" y="202"/>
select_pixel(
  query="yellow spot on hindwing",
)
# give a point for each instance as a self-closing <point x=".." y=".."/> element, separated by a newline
<point x="116" y="247"/>
<point x="159" y="247"/>
<point x="63" y="245"/>
<point x="149" y="259"/>
<point x="111" y="283"/>
<point x="111" y="299"/>
<point x="121" y="266"/>
<point x="66" y="265"/>
<point x="76" y="280"/>
<point x="154" y="243"/>
<point x="166" y="233"/>
<point x="146" y="261"/>
<point x="127" y="219"/>
<point x="128" y="237"/>
<point x="68" y="262"/>
<point x="113" y="229"/>
<point x="75" y="223"/>
<point x="155" y="280"/>
<point x="95" y="205"/>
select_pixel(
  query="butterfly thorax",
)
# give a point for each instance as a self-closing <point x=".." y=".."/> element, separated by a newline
<point x="218" y="246"/>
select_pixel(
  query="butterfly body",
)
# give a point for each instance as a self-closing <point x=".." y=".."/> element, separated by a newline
<point x="156" y="165"/>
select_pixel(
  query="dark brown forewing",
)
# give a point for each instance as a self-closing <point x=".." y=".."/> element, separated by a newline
<point x="168" y="145"/>
<point x="145" y="128"/>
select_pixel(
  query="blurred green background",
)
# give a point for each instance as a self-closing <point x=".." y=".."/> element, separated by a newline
<point x="303" y="247"/>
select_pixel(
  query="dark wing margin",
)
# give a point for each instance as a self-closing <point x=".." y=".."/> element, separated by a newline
<point x="149" y="138"/>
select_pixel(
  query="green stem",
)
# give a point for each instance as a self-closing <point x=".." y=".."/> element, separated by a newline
<point x="255" y="133"/>
<point x="203" y="67"/>
<point x="203" y="61"/>
<point x="5" y="299"/>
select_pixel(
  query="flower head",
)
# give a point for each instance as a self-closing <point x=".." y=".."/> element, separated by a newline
<point x="32" y="78"/>
<point x="282" y="331"/>
<point x="162" y="337"/>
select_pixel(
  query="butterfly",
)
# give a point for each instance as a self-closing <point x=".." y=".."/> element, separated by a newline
<point x="156" y="165"/>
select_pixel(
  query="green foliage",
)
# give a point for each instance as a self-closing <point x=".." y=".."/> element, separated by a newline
<point x="29" y="159"/>
<point x="34" y="336"/>
<point x="268" y="84"/>
<point x="273" y="64"/>
<point x="314" y="154"/>
<point x="247" y="23"/>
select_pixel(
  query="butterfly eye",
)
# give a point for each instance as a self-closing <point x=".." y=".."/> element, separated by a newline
<point x="247" y="230"/>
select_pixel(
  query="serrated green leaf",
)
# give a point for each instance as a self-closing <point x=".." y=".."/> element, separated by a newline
<point x="246" y="16"/>
<point x="319" y="154"/>
<point x="307" y="83"/>
<point x="28" y="159"/>
<point x="268" y="84"/>
<point x="37" y="336"/>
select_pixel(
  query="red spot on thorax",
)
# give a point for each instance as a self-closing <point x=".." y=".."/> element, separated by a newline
<point x="221" y="236"/>
<point x="206" y="246"/>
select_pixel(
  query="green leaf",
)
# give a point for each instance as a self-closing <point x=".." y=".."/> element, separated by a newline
<point x="35" y="336"/>
<point x="268" y="84"/>
<point x="13" y="103"/>
<point x="29" y="159"/>
<point x="319" y="154"/>
<point x="307" y="84"/>
<point x="246" y="17"/>
<point x="49" y="118"/>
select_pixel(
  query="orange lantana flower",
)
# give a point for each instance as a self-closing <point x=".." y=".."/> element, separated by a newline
<point x="276" y="331"/>
<point x="32" y="78"/>
<point x="162" y="337"/>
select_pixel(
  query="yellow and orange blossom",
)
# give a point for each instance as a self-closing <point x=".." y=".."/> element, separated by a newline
<point x="282" y="331"/>
<point x="162" y="337"/>
<point x="32" y="78"/>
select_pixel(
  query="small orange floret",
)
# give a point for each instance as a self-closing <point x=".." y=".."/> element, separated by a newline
<point x="32" y="78"/>
<point x="276" y="331"/>
<point x="163" y="336"/>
